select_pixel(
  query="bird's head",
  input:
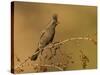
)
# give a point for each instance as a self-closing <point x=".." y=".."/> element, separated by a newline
<point x="55" y="19"/>
<point x="55" y="16"/>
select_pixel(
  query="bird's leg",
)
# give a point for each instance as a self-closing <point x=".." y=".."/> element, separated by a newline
<point x="41" y="51"/>
<point x="52" y="45"/>
<point x="54" y="48"/>
<point x="51" y="51"/>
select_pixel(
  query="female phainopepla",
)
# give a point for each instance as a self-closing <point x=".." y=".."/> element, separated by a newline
<point x="46" y="36"/>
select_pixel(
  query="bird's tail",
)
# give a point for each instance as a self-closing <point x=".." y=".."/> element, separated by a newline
<point x="35" y="56"/>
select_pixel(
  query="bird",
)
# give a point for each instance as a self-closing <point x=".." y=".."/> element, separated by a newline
<point x="47" y="36"/>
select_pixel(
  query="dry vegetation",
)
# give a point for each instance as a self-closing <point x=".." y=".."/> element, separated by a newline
<point x="52" y="55"/>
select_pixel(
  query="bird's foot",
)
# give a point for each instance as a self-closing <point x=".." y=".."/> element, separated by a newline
<point x="55" y="46"/>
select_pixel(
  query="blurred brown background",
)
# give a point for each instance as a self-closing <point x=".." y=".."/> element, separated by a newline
<point x="75" y="21"/>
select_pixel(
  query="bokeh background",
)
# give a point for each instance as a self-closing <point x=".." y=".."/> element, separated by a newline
<point x="75" y="21"/>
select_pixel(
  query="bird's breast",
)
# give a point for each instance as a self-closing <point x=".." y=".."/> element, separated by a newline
<point x="47" y="37"/>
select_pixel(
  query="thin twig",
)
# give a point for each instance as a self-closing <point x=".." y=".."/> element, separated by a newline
<point x="77" y="38"/>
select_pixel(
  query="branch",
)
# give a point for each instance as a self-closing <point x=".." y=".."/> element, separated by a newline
<point x="77" y="38"/>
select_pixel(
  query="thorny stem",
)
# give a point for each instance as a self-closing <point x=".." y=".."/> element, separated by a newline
<point x="57" y="44"/>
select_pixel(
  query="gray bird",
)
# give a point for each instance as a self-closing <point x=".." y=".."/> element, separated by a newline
<point x="46" y="36"/>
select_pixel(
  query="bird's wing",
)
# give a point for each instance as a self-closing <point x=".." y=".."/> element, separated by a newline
<point x="42" y="33"/>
